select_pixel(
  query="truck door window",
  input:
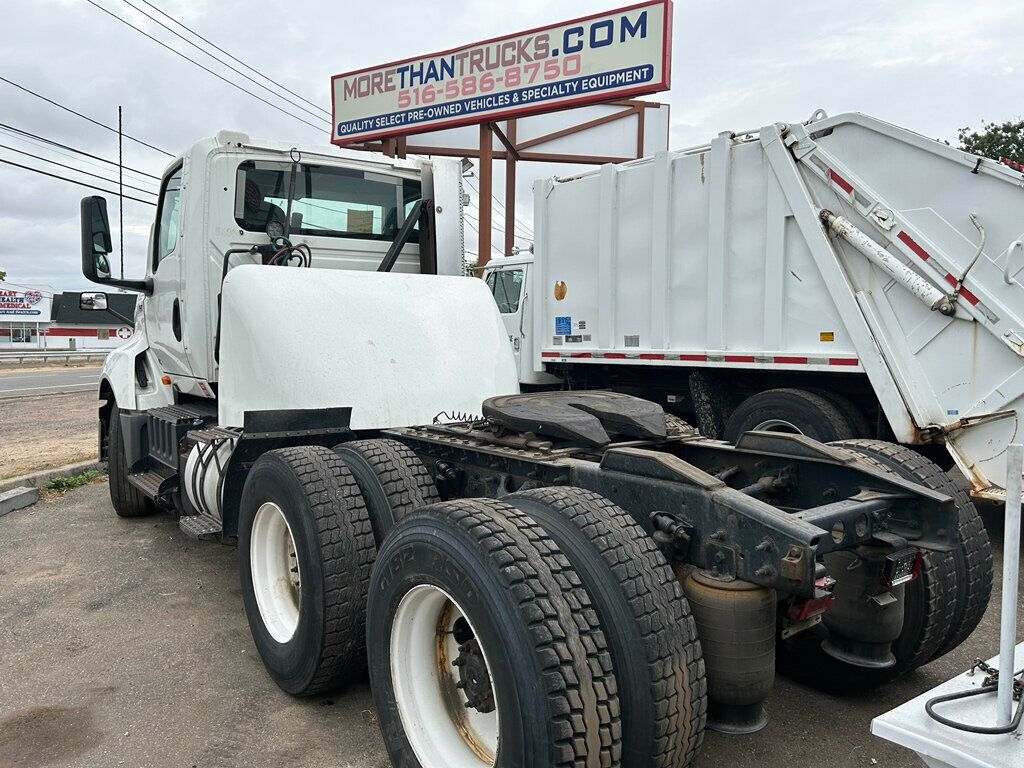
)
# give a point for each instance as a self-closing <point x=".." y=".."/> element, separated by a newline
<point x="169" y="217"/>
<point x="506" y="285"/>
<point x="328" y="201"/>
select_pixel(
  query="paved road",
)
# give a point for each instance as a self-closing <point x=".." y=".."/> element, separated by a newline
<point x="23" y="384"/>
<point x="125" y="643"/>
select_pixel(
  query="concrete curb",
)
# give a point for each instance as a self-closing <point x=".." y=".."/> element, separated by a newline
<point x="38" y="479"/>
<point x="17" y="498"/>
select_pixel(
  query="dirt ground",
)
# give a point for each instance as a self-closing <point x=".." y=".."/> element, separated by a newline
<point x="46" y="431"/>
<point x="122" y="642"/>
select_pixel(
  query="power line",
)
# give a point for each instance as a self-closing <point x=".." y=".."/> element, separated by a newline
<point x="498" y="203"/>
<point x="39" y="144"/>
<point x="72" y="168"/>
<point x="84" y="117"/>
<point x="235" y="58"/>
<point x="73" y="181"/>
<point x="31" y="288"/>
<point x="220" y="61"/>
<point x="201" y="66"/>
<point x="524" y="230"/>
<point x="73" y="149"/>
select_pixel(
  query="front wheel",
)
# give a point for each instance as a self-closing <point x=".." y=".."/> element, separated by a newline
<point x="127" y="500"/>
<point x="305" y="552"/>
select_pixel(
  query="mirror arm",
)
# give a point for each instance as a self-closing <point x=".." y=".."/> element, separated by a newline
<point x="139" y="286"/>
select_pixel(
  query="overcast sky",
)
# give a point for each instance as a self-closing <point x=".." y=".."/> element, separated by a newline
<point x="929" y="66"/>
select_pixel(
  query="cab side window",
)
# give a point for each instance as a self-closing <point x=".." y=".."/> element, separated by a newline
<point x="169" y="218"/>
<point x="506" y="286"/>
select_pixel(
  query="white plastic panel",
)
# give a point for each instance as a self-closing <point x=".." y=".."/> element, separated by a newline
<point x="397" y="348"/>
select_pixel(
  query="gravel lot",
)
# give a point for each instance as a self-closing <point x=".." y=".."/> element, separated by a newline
<point x="124" y="643"/>
<point x="46" y="431"/>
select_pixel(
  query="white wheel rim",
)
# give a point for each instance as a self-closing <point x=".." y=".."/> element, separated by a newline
<point x="274" y="565"/>
<point x="778" y="425"/>
<point x="442" y="730"/>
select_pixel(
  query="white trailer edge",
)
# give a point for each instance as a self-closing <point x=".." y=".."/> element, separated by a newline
<point x="844" y="278"/>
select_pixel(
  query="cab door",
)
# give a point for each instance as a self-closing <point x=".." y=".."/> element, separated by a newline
<point x="506" y="284"/>
<point x="165" y="310"/>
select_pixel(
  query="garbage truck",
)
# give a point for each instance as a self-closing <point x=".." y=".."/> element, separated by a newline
<point x="558" y="578"/>
<point x="843" y="278"/>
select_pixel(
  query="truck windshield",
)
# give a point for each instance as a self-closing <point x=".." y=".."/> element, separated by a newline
<point x="328" y="201"/>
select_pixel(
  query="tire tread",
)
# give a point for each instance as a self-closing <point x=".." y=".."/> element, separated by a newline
<point x="567" y="636"/>
<point x="656" y="600"/>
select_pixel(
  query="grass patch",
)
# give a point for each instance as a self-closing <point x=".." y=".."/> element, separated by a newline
<point x="69" y="483"/>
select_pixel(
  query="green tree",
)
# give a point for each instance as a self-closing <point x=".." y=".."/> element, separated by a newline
<point x="999" y="141"/>
<point x="3" y="275"/>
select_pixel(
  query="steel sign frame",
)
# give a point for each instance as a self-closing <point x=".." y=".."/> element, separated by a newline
<point x="497" y="114"/>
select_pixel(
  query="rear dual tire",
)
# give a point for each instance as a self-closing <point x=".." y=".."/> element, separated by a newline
<point x="646" y="618"/>
<point x="941" y="607"/>
<point x="306" y="548"/>
<point x="542" y="660"/>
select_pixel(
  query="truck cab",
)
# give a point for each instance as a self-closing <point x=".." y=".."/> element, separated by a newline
<point x="510" y="281"/>
<point x="230" y="200"/>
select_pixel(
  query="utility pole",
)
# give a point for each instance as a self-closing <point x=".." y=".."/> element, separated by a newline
<point x="120" y="186"/>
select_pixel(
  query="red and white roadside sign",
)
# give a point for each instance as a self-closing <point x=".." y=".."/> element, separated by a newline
<point x="606" y="56"/>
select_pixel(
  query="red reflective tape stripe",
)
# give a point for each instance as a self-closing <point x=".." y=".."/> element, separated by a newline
<point x="740" y="359"/>
<point x="971" y="298"/>
<point x="580" y="354"/>
<point x="909" y="242"/>
<point x="652" y="356"/>
<point x="615" y="355"/>
<point x="550" y="354"/>
<point x="843" y="361"/>
<point x="842" y="183"/>
<point x="694" y="358"/>
<point x="791" y="360"/>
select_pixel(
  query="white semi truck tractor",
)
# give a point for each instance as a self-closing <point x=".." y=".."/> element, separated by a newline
<point x="564" y="578"/>
<point x="842" y="278"/>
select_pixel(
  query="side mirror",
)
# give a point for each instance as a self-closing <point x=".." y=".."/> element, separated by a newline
<point x="96" y="247"/>
<point x="89" y="301"/>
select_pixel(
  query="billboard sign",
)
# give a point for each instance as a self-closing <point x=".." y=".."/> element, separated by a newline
<point x="30" y="305"/>
<point x="606" y="56"/>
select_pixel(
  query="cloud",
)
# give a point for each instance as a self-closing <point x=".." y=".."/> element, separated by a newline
<point x="931" y="66"/>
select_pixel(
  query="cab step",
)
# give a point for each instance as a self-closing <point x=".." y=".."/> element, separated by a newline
<point x="155" y="482"/>
<point x="200" y="527"/>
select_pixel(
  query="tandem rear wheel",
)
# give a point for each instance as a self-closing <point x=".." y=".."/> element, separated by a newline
<point x="940" y="608"/>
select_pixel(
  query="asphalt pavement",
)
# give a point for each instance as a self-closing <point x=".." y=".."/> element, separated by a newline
<point x="48" y="382"/>
<point x="122" y="642"/>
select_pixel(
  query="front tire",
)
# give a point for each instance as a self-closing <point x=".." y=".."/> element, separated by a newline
<point x="305" y="551"/>
<point x="127" y="500"/>
<point x="486" y="650"/>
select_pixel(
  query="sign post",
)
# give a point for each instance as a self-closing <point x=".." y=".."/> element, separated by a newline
<point x="603" y="58"/>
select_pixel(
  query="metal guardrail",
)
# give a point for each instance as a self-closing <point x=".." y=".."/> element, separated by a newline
<point x="44" y="355"/>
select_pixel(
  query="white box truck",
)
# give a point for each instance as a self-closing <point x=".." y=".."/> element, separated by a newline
<point x="533" y="579"/>
<point x="842" y="278"/>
